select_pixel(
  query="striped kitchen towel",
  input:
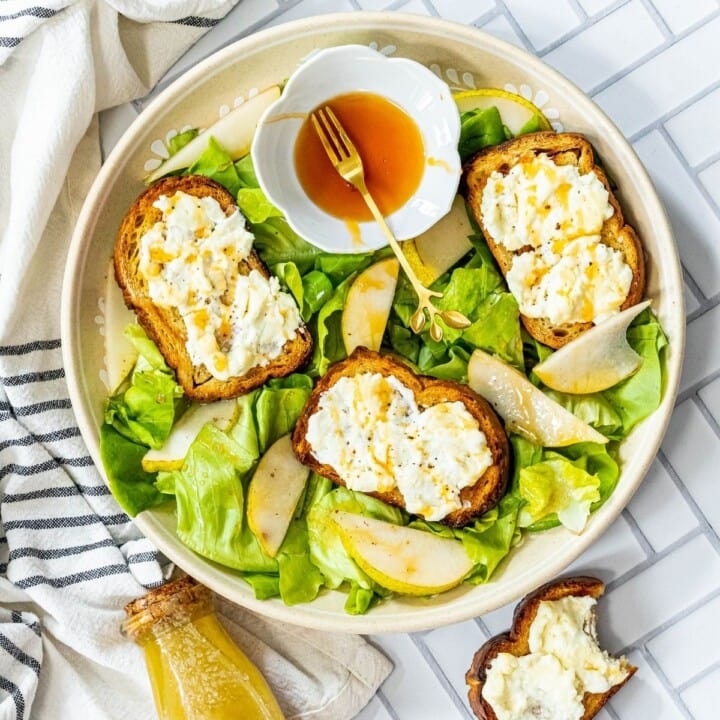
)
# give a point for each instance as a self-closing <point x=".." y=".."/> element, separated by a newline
<point x="19" y="18"/>
<point x="70" y="559"/>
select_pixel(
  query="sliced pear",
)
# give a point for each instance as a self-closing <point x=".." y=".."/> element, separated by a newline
<point x="171" y="455"/>
<point x="440" y="247"/>
<point x="273" y="495"/>
<point x="595" y="360"/>
<point x="234" y="132"/>
<point x="525" y="409"/>
<point x="514" y="109"/>
<point x="402" y="559"/>
<point x="367" y="306"/>
<point x="120" y="353"/>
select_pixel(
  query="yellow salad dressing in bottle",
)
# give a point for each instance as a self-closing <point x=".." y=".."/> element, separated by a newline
<point x="196" y="670"/>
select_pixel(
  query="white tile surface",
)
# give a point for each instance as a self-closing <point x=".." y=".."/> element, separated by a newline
<point x="694" y="221"/>
<point x="607" y="47"/>
<point x="710" y="395"/>
<point x="681" y="660"/>
<point x="659" y="85"/>
<point x="453" y="647"/>
<point x="660" y="510"/>
<point x="617" y="553"/>
<point x="701" y="698"/>
<point x="681" y="14"/>
<point x="501" y="28"/>
<point x="592" y="7"/>
<point x="661" y="591"/>
<point x="696" y="131"/>
<point x="413" y="686"/>
<point x="417" y="7"/>
<point x="691" y="447"/>
<point x="644" y="697"/>
<point x="374" y="710"/>
<point x="691" y="302"/>
<point x="540" y="26"/>
<point x="463" y="12"/>
<point x="710" y="178"/>
<point x="702" y="355"/>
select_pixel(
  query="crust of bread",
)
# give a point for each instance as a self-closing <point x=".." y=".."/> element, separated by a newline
<point x="477" y="498"/>
<point x="165" y="326"/>
<point x="563" y="149"/>
<point x="515" y="642"/>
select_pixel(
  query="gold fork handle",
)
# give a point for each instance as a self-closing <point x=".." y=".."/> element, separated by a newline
<point x="419" y="288"/>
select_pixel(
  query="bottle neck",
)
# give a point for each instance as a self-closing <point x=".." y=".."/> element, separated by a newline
<point x="166" y="608"/>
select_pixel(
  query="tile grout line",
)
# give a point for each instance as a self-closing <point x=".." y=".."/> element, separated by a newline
<point x="486" y="18"/>
<point x="584" y="25"/>
<point x="579" y="10"/>
<point x="705" y="412"/>
<point x="644" y="543"/>
<point x="516" y="27"/>
<point x="649" y="562"/>
<point x="694" y="288"/>
<point x="439" y="673"/>
<point x="688" y="610"/>
<point x="658" y="19"/>
<point x="662" y="678"/>
<point x="709" y="670"/>
<point x="386" y="704"/>
<point x="707" y="162"/>
<point x="705" y="526"/>
<point x="670" y="114"/>
<point x="691" y="391"/>
<point x="696" y="180"/>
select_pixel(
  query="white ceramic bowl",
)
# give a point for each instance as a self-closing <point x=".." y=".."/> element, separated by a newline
<point x="465" y="57"/>
<point x="352" y="68"/>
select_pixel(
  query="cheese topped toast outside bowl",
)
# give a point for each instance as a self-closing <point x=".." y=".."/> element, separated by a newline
<point x="464" y="57"/>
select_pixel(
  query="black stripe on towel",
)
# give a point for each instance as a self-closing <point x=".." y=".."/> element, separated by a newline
<point x="196" y="21"/>
<point x="14" y="691"/>
<point x="32" y="346"/>
<point x="66" y="521"/>
<point x="55" y="553"/>
<point x="19" y="654"/>
<point x="38" y="12"/>
<point x="34" y="625"/>
<point x="54" y="436"/>
<point x="28" y="470"/>
<point x="57" y="492"/>
<point x="33" y="377"/>
<point x="10" y="42"/>
<point x="35" y="408"/>
<point x="141" y="557"/>
<point x="61" y="582"/>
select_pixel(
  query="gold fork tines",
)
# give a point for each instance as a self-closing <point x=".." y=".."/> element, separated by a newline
<point x="347" y="162"/>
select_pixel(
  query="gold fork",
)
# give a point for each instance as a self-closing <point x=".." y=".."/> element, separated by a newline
<point x="347" y="161"/>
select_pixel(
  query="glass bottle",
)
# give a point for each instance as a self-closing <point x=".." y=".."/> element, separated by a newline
<point x="196" y="670"/>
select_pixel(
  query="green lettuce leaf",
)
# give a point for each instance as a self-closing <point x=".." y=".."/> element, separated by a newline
<point x="179" y="141"/>
<point x="254" y="205"/>
<point x="211" y="503"/>
<point x="638" y="396"/>
<point x="144" y="411"/>
<point x="132" y="487"/>
<point x="329" y="347"/>
<point x="557" y="487"/>
<point x="479" y="129"/>
<point x="215" y="163"/>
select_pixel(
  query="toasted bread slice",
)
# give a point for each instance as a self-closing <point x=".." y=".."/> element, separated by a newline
<point x="515" y="642"/>
<point x="477" y="498"/>
<point x="165" y="326"/>
<point x="563" y="149"/>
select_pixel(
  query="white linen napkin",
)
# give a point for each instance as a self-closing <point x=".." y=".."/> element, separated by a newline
<point x="69" y="557"/>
